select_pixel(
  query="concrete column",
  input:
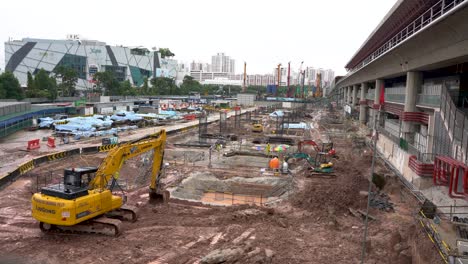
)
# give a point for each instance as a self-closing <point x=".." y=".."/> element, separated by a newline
<point x="345" y="95"/>
<point x="340" y="96"/>
<point x="413" y="84"/>
<point x="354" y="95"/>
<point x="430" y="133"/>
<point x="378" y="88"/>
<point x="362" y="108"/>
<point x="348" y="99"/>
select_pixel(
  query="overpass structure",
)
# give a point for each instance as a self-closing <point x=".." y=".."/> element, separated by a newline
<point x="411" y="74"/>
<point x="410" y="80"/>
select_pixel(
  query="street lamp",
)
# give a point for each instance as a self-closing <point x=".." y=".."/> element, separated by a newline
<point x="289" y="74"/>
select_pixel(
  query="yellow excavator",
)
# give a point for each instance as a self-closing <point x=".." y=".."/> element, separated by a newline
<point x="85" y="201"/>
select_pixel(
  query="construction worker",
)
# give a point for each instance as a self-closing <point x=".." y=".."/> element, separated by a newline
<point x="274" y="164"/>
<point x="268" y="149"/>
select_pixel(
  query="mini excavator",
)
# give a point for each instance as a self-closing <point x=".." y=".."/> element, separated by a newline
<point x="85" y="201"/>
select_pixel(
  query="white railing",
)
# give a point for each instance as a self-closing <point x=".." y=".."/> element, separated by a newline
<point x="437" y="10"/>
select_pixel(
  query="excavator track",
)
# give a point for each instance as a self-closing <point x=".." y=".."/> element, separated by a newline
<point x="101" y="225"/>
<point x="125" y="213"/>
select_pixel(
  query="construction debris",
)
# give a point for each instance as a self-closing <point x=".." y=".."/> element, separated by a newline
<point x="381" y="201"/>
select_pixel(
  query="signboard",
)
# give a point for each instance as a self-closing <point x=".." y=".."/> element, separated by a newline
<point x="73" y="36"/>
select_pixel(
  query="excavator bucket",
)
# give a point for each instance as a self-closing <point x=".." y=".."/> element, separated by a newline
<point x="156" y="197"/>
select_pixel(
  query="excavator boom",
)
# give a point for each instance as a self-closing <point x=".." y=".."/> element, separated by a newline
<point x="84" y="201"/>
<point x="110" y="166"/>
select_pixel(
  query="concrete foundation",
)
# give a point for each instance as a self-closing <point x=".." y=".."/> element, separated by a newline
<point x="205" y="187"/>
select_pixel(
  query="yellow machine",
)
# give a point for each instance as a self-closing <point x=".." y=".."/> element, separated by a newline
<point x="84" y="202"/>
<point x="257" y="128"/>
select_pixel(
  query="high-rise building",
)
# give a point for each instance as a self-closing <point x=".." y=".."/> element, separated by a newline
<point x="222" y="63"/>
<point x="327" y="75"/>
<point x="200" y="66"/>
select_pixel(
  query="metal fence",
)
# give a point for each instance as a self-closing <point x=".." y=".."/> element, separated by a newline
<point x="451" y="130"/>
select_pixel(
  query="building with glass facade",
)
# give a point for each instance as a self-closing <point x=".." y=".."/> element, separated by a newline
<point x="85" y="56"/>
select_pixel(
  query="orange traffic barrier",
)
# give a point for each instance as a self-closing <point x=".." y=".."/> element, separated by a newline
<point x="190" y="117"/>
<point x="51" y="142"/>
<point x="33" y="144"/>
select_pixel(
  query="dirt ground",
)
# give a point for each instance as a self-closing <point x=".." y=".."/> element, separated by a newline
<point x="313" y="226"/>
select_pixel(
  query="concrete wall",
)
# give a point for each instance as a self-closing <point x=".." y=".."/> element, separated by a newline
<point x="399" y="159"/>
<point x="8" y="108"/>
<point x="106" y="108"/>
<point x="266" y="103"/>
<point x="246" y="99"/>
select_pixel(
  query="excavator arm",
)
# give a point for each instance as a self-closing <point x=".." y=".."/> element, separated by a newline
<point x="308" y="142"/>
<point x="110" y="166"/>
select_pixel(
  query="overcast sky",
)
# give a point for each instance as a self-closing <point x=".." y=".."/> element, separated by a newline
<point x="323" y="33"/>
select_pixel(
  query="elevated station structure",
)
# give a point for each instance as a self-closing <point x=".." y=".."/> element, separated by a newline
<point x="411" y="75"/>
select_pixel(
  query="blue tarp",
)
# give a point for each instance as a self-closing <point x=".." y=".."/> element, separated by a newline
<point x="278" y="113"/>
<point x="45" y="122"/>
<point x="168" y="112"/>
<point x="126" y="116"/>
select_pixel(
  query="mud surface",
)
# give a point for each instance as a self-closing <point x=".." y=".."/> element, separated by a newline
<point x="314" y="225"/>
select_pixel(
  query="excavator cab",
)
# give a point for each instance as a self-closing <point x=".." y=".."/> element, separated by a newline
<point x="75" y="183"/>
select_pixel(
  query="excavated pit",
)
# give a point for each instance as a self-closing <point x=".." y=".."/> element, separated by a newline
<point x="206" y="188"/>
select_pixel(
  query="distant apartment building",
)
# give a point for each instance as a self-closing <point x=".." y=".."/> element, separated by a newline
<point x="327" y="75"/>
<point x="86" y="57"/>
<point x="222" y="63"/>
<point x="222" y="68"/>
<point x="200" y="66"/>
<point x="202" y="76"/>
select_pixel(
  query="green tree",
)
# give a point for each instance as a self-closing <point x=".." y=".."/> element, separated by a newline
<point x="127" y="89"/>
<point x="2" y="92"/>
<point x="190" y="85"/>
<point x="10" y="87"/>
<point x="107" y="82"/>
<point x="46" y="86"/>
<point x="162" y="86"/>
<point x="165" y="52"/>
<point x="30" y="89"/>
<point x="69" y="78"/>
<point x="144" y="90"/>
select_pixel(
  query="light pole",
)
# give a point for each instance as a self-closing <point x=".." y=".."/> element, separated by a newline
<point x="289" y="74"/>
<point x="245" y="77"/>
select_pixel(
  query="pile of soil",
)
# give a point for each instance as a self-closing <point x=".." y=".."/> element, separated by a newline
<point x="339" y="193"/>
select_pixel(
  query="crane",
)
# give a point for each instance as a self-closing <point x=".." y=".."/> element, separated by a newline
<point x="85" y="201"/>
